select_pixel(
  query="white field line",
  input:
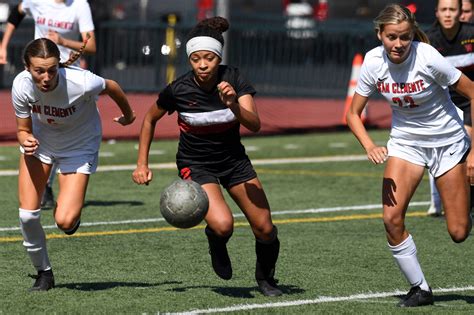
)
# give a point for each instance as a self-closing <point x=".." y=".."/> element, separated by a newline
<point x="318" y="300"/>
<point x="131" y="167"/>
<point x="237" y="215"/>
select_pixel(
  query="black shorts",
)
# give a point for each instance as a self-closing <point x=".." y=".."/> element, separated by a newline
<point x="227" y="175"/>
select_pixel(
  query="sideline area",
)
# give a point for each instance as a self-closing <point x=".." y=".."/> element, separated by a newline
<point x="278" y="115"/>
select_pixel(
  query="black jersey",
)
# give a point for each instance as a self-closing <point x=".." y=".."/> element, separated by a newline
<point x="209" y="130"/>
<point x="459" y="51"/>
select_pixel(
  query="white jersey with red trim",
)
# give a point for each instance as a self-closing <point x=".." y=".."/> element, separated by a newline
<point x="65" y="120"/>
<point x="69" y="18"/>
<point x="417" y="90"/>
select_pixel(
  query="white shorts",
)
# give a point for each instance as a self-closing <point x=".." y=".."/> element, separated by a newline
<point x="437" y="160"/>
<point x="84" y="163"/>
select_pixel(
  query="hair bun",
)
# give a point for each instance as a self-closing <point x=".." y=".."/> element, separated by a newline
<point x="217" y="23"/>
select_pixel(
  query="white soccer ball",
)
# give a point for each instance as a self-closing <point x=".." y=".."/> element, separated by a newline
<point x="184" y="204"/>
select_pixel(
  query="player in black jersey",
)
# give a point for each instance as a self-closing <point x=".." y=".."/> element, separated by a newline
<point x="467" y="11"/>
<point x="454" y="40"/>
<point x="212" y="101"/>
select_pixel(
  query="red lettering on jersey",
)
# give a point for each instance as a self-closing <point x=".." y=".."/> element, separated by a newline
<point x="408" y="87"/>
<point x="468" y="47"/>
<point x="36" y="109"/>
<point x="383" y="87"/>
<point x="58" y="111"/>
<point x="41" y="20"/>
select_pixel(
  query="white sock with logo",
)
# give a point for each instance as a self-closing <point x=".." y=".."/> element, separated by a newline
<point x="34" y="239"/>
<point x="405" y="256"/>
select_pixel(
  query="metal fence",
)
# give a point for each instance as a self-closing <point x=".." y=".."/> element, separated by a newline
<point x="279" y="61"/>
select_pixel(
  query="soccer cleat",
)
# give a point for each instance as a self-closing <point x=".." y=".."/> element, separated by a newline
<point x="47" y="200"/>
<point x="219" y="255"/>
<point x="269" y="287"/>
<point x="74" y="229"/>
<point x="434" y="211"/>
<point x="44" y="281"/>
<point x="417" y="297"/>
<point x="220" y="260"/>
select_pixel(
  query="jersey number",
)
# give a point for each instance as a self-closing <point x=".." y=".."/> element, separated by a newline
<point x="407" y="99"/>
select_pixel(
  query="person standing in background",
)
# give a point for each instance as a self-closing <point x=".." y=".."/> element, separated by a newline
<point x="467" y="11"/>
<point x="454" y="40"/>
<point x="68" y="23"/>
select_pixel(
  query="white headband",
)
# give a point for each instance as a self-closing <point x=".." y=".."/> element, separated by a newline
<point x="204" y="43"/>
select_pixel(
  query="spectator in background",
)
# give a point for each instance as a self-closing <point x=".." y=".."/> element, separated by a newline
<point x="454" y="40"/>
<point x="467" y="11"/>
<point x="68" y="24"/>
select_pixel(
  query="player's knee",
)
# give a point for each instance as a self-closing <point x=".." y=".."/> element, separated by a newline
<point x="459" y="234"/>
<point x="392" y="222"/>
<point x="66" y="223"/>
<point x="223" y="227"/>
<point x="265" y="231"/>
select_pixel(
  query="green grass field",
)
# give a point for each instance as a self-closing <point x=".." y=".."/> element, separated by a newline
<point x="125" y="259"/>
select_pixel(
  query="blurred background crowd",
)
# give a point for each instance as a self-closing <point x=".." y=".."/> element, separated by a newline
<point x="291" y="48"/>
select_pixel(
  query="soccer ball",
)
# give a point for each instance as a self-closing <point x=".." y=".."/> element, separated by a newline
<point x="184" y="204"/>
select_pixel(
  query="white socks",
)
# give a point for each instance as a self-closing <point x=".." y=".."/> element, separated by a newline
<point x="34" y="238"/>
<point x="435" y="198"/>
<point x="405" y="256"/>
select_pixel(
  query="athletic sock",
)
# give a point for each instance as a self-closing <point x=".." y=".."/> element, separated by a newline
<point x="435" y="198"/>
<point x="267" y="255"/>
<point x="405" y="256"/>
<point x="34" y="239"/>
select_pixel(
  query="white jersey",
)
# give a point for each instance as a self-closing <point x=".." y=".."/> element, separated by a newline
<point x="417" y="90"/>
<point x="69" y="18"/>
<point x="65" y="120"/>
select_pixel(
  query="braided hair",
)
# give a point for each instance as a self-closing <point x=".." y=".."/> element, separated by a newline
<point x="46" y="48"/>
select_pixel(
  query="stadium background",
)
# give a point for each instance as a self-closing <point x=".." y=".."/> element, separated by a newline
<point x="299" y="60"/>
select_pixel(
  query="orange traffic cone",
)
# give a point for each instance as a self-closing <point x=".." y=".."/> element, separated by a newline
<point x="356" y="64"/>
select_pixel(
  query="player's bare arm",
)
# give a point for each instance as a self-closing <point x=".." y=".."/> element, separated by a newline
<point x="25" y="135"/>
<point x="118" y="95"/>
<point x="243" y="108"/>
<point x="375" y="154"/>
<point x="142" y="174"/>
<point x="76" y="45"/>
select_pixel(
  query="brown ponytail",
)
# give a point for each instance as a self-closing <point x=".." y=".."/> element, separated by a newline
<point x="75" y="55"/>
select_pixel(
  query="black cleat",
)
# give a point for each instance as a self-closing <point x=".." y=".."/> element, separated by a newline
<point x="269" y="287"/>
<point x="74" y="229"/>
<point x="220" y="260"/>
<point x="44" y="281"/>
<point x="219" y="255"/>
<point x="417" y="297"/>
<point x="47" y="201"/>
